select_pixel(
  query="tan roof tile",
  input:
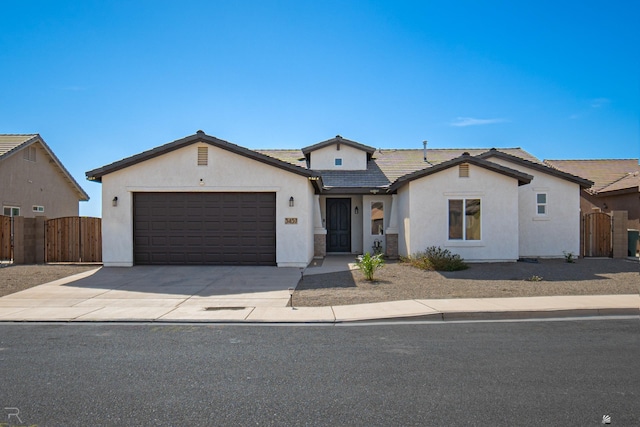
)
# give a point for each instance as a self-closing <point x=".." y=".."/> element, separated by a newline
<point x="603" y="172"/>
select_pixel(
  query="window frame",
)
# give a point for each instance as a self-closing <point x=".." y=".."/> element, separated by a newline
<point x="11" y="208"/>
<point x="463" y="223"/>
<point x="337" y="161"/>
<point x="371" y="220"/>
<point x="37" y="208"/>
<point x="544" y="204"/>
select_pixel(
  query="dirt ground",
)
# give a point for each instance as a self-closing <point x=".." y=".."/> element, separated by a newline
<point x="15" y="278"/>
<point x="398" y="281"/>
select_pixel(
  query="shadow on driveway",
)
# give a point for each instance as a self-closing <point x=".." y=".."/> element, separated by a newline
<point x="202" y="281"/>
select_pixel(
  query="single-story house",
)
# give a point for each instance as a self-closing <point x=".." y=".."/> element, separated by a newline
<point x="202" y="200"/>
<point x="34" y="181"/>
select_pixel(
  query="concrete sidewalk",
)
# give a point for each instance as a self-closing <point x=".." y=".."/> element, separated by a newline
<point x="71" y="299"/>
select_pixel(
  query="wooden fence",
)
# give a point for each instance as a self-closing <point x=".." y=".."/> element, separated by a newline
<point x="598" y="235"/>
<point x="74" y="239"/>
<point x="5" y="238"/>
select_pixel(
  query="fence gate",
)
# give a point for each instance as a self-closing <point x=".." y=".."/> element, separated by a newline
<point x="5" y="238"/>
<point x="74" y="239"/>
<point x="597" y="235"/>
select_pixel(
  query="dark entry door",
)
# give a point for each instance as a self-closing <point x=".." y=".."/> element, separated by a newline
<point x="338" y="225"/>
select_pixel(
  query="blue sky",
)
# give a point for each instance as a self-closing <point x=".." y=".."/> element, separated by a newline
<point x="103" y="80"/>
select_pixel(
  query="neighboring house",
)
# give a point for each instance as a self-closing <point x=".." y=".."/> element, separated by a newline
<point x="202" y="200"/>
<point x="34" y="181"/>
<point x="616" y="185"/>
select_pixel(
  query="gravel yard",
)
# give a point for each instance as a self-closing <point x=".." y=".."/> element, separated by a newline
<point x="398" y="281"/>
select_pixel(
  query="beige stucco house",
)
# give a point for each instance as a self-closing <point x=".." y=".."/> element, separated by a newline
<point x="34" y="181"/>
<point x="202" y="200"/>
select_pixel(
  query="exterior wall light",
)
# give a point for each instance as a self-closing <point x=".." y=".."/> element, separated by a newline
<point x="356" y="210"/>
<point x="114" y="202"/>
<point x="291" y="202"/>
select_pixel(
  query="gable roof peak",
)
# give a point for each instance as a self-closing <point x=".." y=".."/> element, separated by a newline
<point x="338" y="139"/>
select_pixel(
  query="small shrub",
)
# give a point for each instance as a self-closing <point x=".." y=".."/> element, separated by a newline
<point x="569" y="257"/>
<point x="368" y="264"/>
<point x="436" y="258"/>
<point x="535" y="278"/>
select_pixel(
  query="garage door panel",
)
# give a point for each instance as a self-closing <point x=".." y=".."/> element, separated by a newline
<point x="204" y="228"/>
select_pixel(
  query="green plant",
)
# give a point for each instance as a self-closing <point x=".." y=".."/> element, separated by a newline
<point x="535" y="278"/>
<point x="436" y="258"/>
<point x="569" y="257"/>
<point x="368" y="264"/>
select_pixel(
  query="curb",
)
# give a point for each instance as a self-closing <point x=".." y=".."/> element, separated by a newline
<point x="435" y="317"/>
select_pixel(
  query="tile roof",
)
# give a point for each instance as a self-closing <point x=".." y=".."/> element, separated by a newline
<point x="387" y="165"/>
<point x="11" y="142"/>
<point x="606" y="174"/>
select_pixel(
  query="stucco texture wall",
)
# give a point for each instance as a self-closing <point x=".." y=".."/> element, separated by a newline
<point x="352" y="158"/>
<point x="548" y="236"/>
<point x="177" y="171"/>
<point x="426" y="203"/>
<point x="27" y="183"/>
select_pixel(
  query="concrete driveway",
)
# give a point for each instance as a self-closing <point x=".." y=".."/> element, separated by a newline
<point x="148" y="292"/>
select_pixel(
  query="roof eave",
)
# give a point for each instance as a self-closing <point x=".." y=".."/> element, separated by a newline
<point x="522" y="177"/>
<point x="97" y="174"/>
<point x="582" y="182"/>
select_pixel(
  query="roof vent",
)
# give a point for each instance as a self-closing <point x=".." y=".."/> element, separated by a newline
<point x="424" y="150"/>
<point x="339" y="136"/>
<point x="200" y="132"/>
<point x="466" y="153"/>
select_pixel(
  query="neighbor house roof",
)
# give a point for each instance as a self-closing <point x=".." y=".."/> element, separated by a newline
<point x="11" y="144"/>
<point x="606" y="174"/>
<point x="200" y="136"/>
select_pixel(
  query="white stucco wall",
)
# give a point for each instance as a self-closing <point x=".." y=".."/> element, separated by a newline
<point x="428" y="209"/>
<point x="547" y="236"/>
<point x="226" y="172"/>
<point x="352" y="158"/>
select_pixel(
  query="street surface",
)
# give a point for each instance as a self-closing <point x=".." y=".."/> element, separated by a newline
<point x="564" y="373"/>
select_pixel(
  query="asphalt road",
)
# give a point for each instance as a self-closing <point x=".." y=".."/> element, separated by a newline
<point x="568" y="373"/>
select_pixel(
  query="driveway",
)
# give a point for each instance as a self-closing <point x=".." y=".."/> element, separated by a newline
<point x="147" y="292"/>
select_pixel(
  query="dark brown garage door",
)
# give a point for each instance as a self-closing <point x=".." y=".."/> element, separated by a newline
<point x="204" y="228"/>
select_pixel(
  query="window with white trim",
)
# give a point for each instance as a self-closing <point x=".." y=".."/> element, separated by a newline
<point x="11" y="211"/>
<point x="541" y="203"/>
<point x="338" y="162"/>
<point x="38" y="209"/>
<point x="464" y="219"/>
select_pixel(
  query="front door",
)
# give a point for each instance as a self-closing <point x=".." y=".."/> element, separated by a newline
<point x="338" y="225"/>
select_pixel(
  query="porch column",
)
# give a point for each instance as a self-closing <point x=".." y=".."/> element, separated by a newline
<point x="319" y="232"/>
<point x="620" y="236"/>
<point x="392" y="231"/>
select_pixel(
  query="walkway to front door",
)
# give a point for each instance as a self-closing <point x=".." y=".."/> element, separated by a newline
<point x="338" y="225"/>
